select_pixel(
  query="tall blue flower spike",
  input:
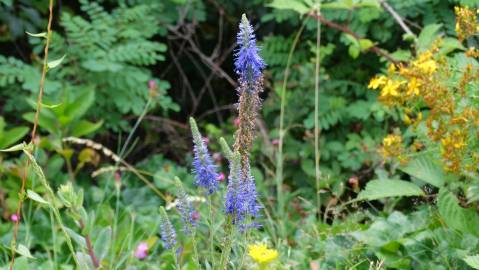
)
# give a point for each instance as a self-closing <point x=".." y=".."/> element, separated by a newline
<point x="204" y="169"/>
<point x="167" y="231"/>
<point x="248" y="63"/>
<point x="235" y="202"/>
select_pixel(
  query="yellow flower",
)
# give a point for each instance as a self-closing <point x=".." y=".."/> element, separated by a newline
<point x="261" y="254"/>
<point x="390" y="89"/>
<point x="428" y="66"/>
<point x="377" y="82"/>
<point x="413" y="87"/>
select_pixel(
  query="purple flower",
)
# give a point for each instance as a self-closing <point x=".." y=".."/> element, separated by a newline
<point x="141" y="250"/>
<point x="167" y="231"/>
<point x="241" y="200"/>
<point x="204" y="169"/>
<point x="248" y="63"/>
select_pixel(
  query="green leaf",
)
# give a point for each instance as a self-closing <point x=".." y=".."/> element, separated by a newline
<point x="354" y="51"/>
<point x="426" y="169"/>
<point x="456" y="217"/>
<point x="296" y="5"/>
<point x="55" y="63"/>
<point x="85" y="127"/>
<point x="365" y="44"/>
<point x="40" y="35"/>
<point x="102" y="243"/>
<point x="23" y="250"/>
<point x="472" y="261"/>
<point x="472" y="193"/>
<point x="12" y="136"/>
<point x="82" y="103"/>
<point x="427" y="36"/>
<point x="17" y="147"/>
<point x="80" y="240"/>
<point x="378" y="189"/>
<point x="46" y="122"/>
<point x="36" y="197"/>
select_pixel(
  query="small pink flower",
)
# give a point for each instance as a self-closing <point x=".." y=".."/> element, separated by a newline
<point x="275" y="142"/>
<point x="236" y="122"/>
<point x="152" y="84"/>
<point x="221" y="177"/>
<point x="14" y="218"/>
<point x="195" y="215"/>
<point x="206" y="140"/>
<point x="141" y="250"/>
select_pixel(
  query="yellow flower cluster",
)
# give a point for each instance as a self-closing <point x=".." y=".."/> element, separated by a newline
<point x="393" y="147"/>
<point x="466" y="22"/>
<point x="261" y="254"/>
<point x="445" y="93"/>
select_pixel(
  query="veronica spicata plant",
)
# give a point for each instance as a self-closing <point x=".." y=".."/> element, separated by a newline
<point x="241" y="199"/>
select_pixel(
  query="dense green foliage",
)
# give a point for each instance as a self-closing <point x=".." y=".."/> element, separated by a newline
<point x="127" y="75"/>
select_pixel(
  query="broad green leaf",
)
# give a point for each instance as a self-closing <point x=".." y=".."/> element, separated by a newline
<point x="23" y="250"/>
<point x="85" y="261"/>
<point x="456" y="217"/>
<point x="427" y="36"/>
<point x="102" y="243"/>
<point x="378" y="189"/>
<point x="40" y="35"/>
<point x="472" y="193"/>
<point x="296" y="5"/>
<point x="82" y="103"/>
<point x="12" y="136"/>
<point x="426" y="169"/>
<point x="36" y="197"/>
<point x="472" y="261"/>
<point x="55" y="63"/>
<point x="48" y="123"/>
<point x="80" y="240"/>
<point x="84" y="127"/>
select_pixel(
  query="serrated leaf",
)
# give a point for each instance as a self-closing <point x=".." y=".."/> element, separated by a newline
<point x="40" y="35"/>
<point x="456" y="217"/>
<point x="365" y="44"/>
<point x="378" y="189"/>
<point x="426" y="169"/>
<point x="36" y="197"/>
<point x="23" y="250"/>
<point x="427" y="36"/>
<point x="55" y="63"/>
<point x="472" y="261"/>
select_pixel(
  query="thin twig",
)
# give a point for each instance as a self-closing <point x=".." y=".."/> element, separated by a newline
<point x="34" y="130"/>
<point x="346" y="30"/>
<point x="396" y="17"/>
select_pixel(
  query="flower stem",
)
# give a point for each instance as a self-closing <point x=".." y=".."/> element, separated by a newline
<point x="227" y="244"/>
<point x="211" y="236"/>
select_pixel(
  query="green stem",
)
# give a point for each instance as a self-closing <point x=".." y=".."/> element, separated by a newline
<point x="227" y="244"/>
<point x="177" y="264"/>
<point x="211" y="235"/>
<point x="195" y="251"/>
<point x="279" y="164"/>
<point x="317" y="131"/>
